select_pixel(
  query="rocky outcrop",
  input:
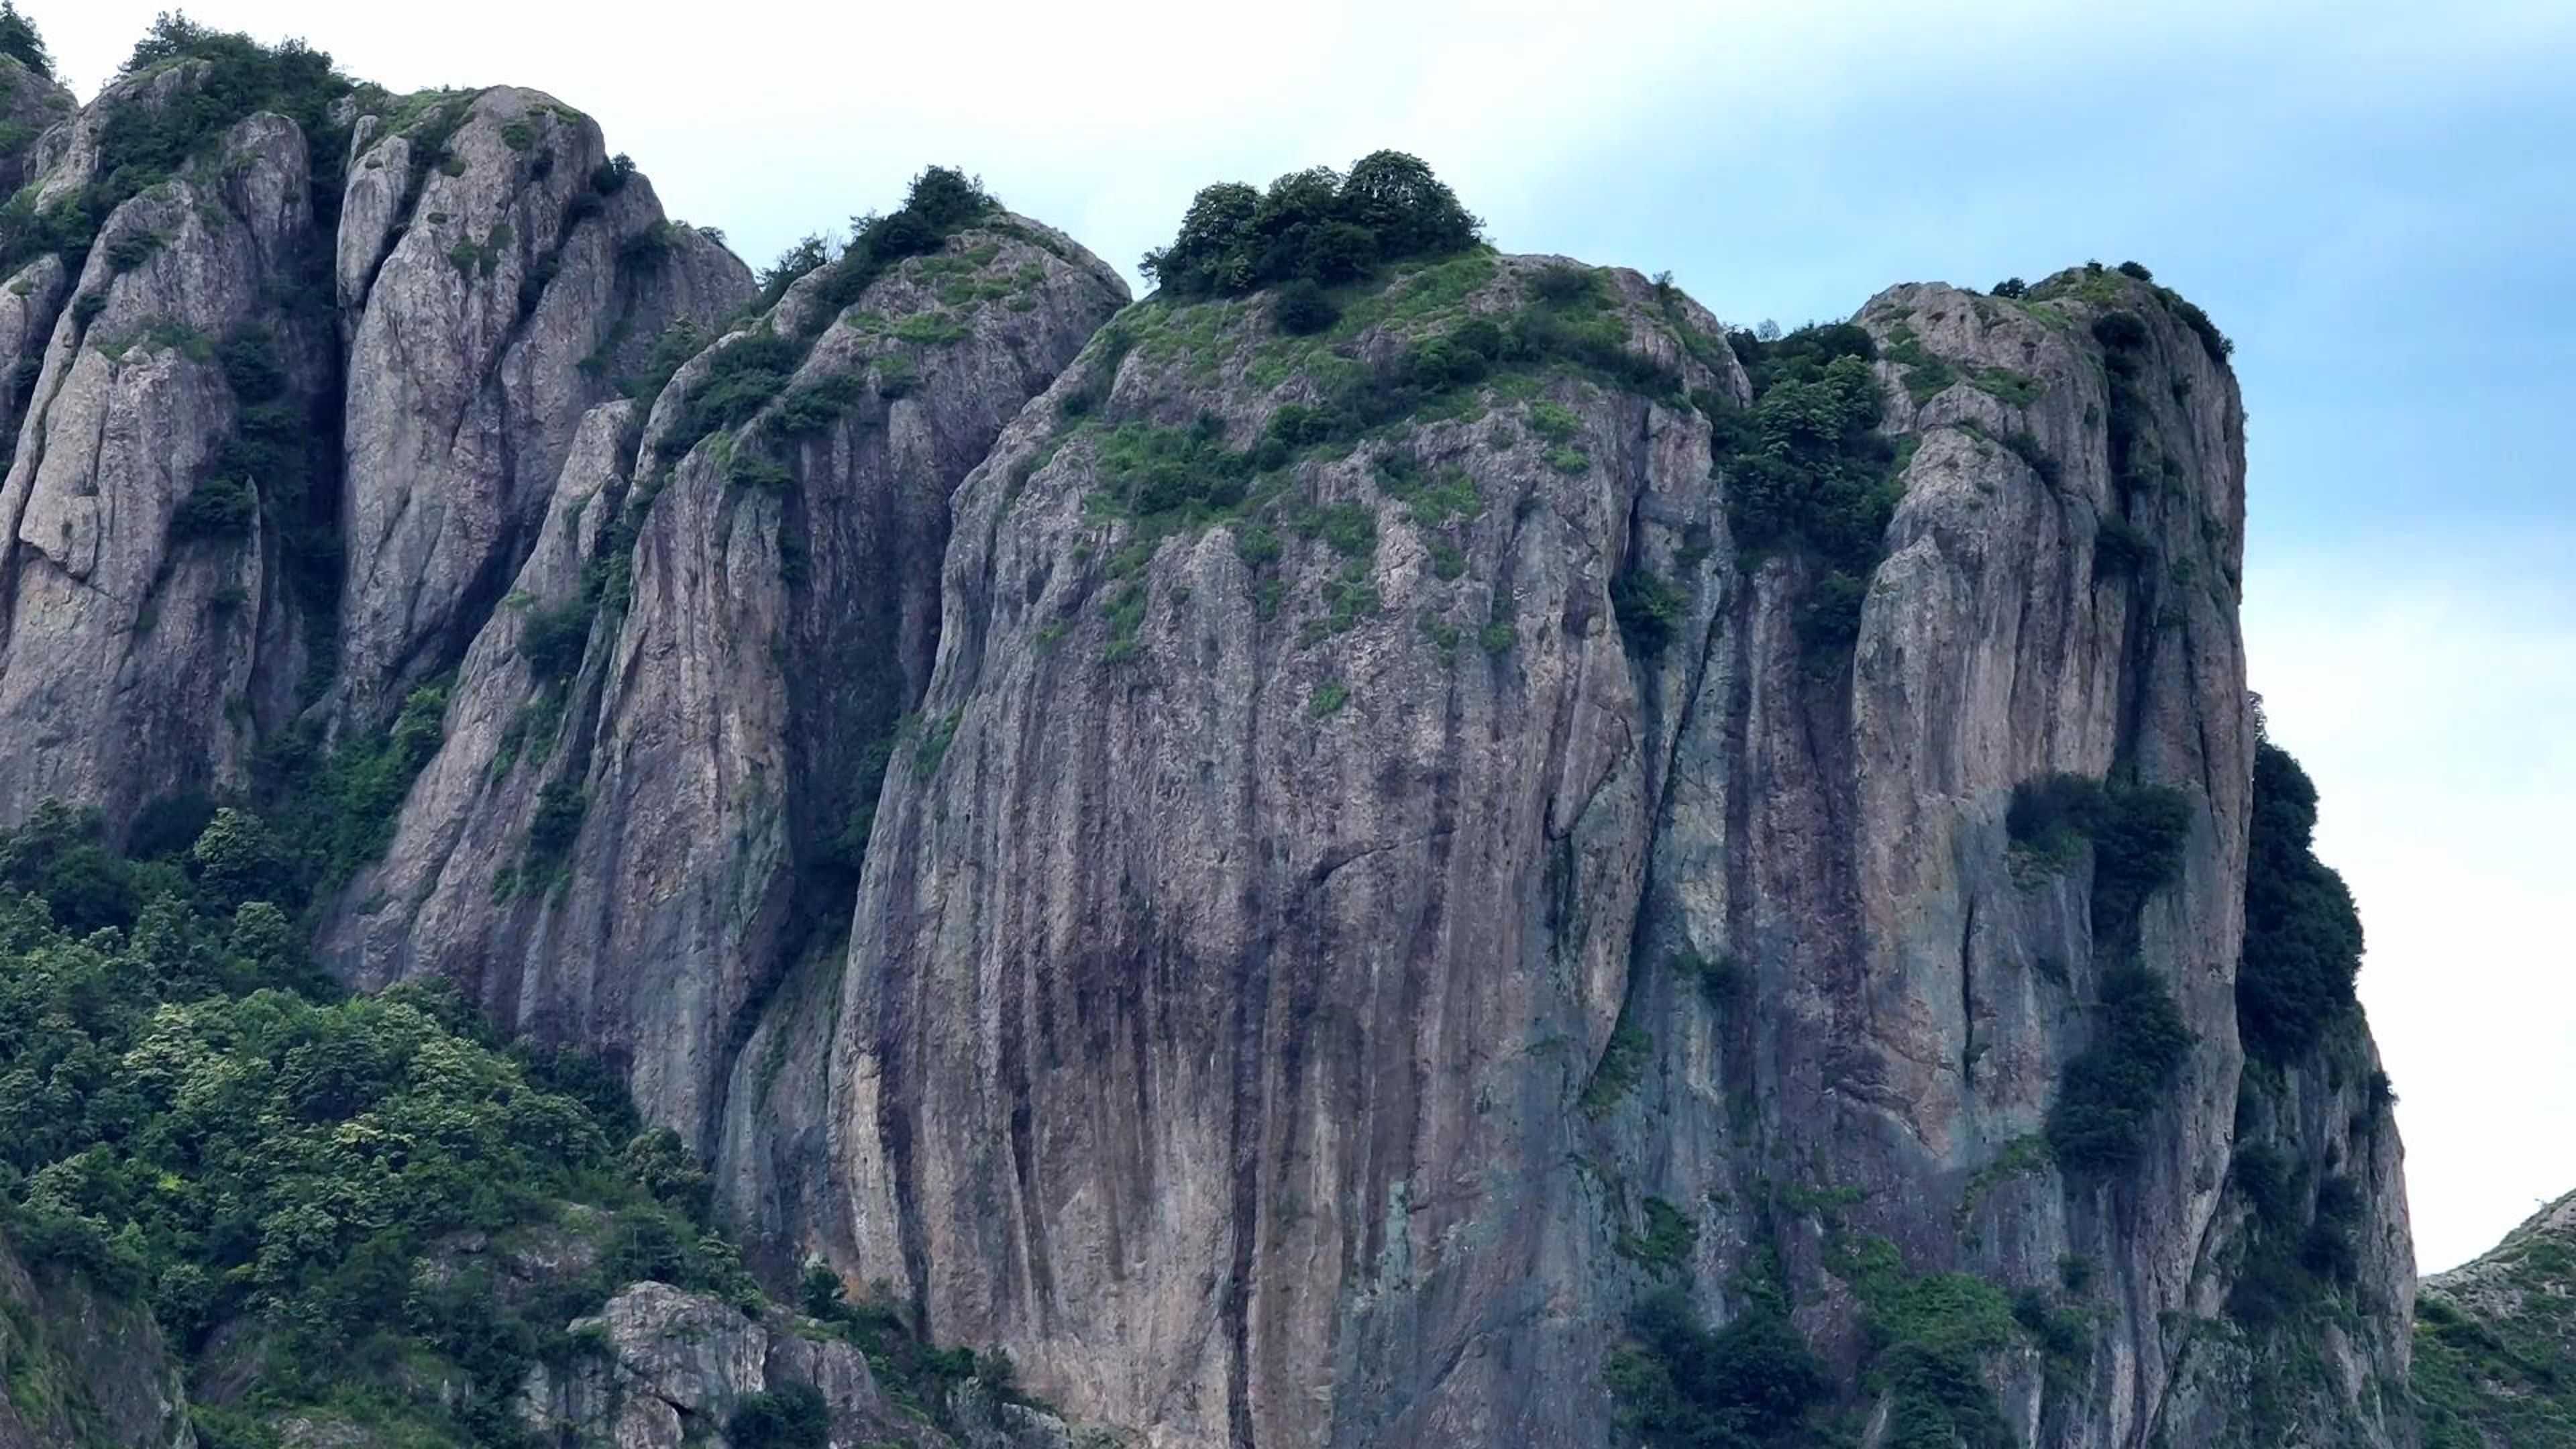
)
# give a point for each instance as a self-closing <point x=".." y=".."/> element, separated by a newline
<point x="2317" y="1196"/>
<point x="643" y="814"/>
<point x="30" y="105"/>
<point x="659" y="1367"/>
<point x="1289" y="876"/>
<point x="1337" y="940"/>
<point x="80" y="1366"/>
<point x="520" y="274"/>
<point x="180" y="539"/>
<point x="150" y="636"/>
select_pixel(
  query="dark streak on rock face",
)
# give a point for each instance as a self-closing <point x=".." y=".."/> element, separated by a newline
<point x="1229" y="959"/>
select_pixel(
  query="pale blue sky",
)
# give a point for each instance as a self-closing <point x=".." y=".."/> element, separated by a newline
<point x="2376" y="200"/>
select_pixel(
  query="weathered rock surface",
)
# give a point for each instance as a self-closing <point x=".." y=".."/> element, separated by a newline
<point x="149" y="638"/>
<point x="1228" y="1029"/>
<point x="1287" y="921"/>
<point x="520" y="282"/>
<point x="662" y="1367"/>
<point x="2255" y="1372"/>
<point x="708" y="729"/>
<point x="78" y="1366"/>
<point x="496" y="278"/>
<point x="30" y="105"/>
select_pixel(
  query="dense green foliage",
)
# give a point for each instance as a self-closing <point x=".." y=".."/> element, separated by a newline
<point x="194" y="1116"/>
<point x="1300" y="308"/>
<point x="1806" y="467"/>
<point x="337" y="810"/>
<point x="1683" y="1386"/>
<point x="2137" y="833"/>
<point x="142" y="145"/>
<point x="1649" y="610"/>
<point x="1313" y="226"/>
<point x="20" y="42"/>
<point x="2300" y="1245"/>
<point x="1926" y="1341"/>
<point x="2302" y="933"/>
<point x="792" y="1417"/>
<point x="191" y="1115"/>
<point x="2116" y="1085"/>
<point x="915" y="1372"/>
<point x="1930" y="1334"/>
<point x="2113" y="1088"/>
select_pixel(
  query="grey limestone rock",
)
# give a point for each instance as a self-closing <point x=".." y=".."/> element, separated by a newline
<point x="149" y="633"/>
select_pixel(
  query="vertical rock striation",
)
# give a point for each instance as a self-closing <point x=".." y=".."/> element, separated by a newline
<point x="655" y="787"/>
<point x="150" y="637"/>
<point x="522" y="273"/>
<point x="183" y="542"/>
<point x="1358" y="929"/>
<point x="1290" y="877"/>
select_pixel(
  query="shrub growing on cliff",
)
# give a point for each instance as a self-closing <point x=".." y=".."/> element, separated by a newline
<point x="1314" y="226"/>
<point x="748" y="373"/>
<point x="740" y="380"/>
<point x="20" y="42"/>
<point x="1805" y="467"/>
<point x="2137" y="850"/>
<point x="2302" y="935"/>
<point x="552" y="638"/>
<point x="220" y="507"/>
<point x="2137" y="833"/>
<point x="1301" y="309"/>
<point x="2050" y="814"/>
<point x="1649" y="610"/>
<point x="2114" y="1086"/>
<point x="794" y="1416"/>
<point x="807" y="256"/>
<point x="142" y="144"/>
<point x="1750" y="1383"/>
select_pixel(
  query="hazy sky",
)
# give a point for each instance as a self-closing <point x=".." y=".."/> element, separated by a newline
<point x="2377" y="201"/>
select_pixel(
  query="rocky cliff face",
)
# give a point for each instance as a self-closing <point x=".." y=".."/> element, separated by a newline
<point x="1333" y="947"/>
<point x="536" y="273"/>
<point x="149" y="635"/>
<point x="185" y="551"/>
<point x="666" y="1368"/>
<point x="1313" y="878"/>
<point x="80" y="1366"/>
<point x="643" y="814"/>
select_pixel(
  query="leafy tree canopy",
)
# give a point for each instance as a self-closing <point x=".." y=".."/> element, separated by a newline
<point x="1314" y="225"/>
<point x="20" y="42"/>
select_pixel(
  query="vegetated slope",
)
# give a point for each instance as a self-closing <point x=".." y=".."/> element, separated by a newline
<point x="354" y="1219"/>
<point x="2495" y="1338"/>
<point x="1398" y="845"/>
